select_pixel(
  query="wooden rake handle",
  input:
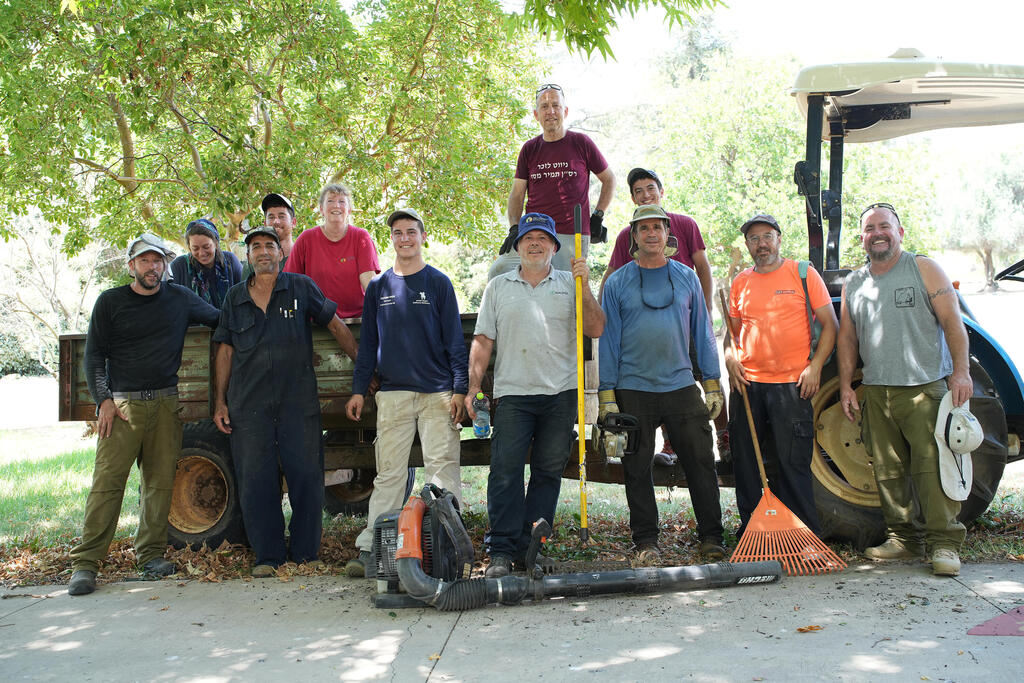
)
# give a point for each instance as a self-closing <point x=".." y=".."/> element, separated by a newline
<point x="743" y="390"/>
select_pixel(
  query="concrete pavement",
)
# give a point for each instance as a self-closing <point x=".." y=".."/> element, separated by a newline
<point x="877" y="622"/>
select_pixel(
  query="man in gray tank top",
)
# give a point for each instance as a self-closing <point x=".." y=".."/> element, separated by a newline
<point x="901" y="315"/>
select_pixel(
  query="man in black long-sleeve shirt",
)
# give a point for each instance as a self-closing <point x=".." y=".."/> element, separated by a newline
<point x="132" y="355"/>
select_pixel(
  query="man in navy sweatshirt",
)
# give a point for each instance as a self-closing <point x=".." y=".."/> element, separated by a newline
<point x="412" y="337"/>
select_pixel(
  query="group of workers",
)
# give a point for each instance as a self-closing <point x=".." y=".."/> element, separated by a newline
<point x="653" y="319"/>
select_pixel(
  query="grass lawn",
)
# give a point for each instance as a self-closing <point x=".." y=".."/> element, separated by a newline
<point x="45" y="476"/>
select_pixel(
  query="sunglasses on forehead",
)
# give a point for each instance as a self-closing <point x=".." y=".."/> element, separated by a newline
<point x="882" y="205"/>
<point x="549" y="86"/>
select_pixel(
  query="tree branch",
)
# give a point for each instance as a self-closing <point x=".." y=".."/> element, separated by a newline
<point x="197" y="161"/>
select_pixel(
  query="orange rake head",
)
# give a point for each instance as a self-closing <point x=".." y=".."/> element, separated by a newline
<point x="775" y="533"/>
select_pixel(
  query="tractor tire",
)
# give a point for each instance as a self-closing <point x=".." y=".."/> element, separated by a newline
<point x="353" y="497"/>
<point x="845" y="493"/>
<point x="205" y="504"/>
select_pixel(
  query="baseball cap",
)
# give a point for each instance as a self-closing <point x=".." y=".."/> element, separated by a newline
<point x="147" y="241"/>
<point x="274" y="199"/>
<point x="404" y="213"/>
<point x="264" y="230"/>
<point x="957" y="433"/>
<point x="765" y="218"/>
<point x="639" y="173"/>
<point x="537" y="221"/>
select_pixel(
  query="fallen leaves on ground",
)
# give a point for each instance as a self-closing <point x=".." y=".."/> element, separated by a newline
<point x="809" y="629"/>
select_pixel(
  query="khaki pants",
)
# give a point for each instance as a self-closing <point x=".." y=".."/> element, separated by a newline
<point x="151" y="437"/>
<point x="400" y="415"/>
<point x="898" y="432"/>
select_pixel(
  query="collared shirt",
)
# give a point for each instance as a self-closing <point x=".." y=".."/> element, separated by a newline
<point x="273" y="351"/>
<point x="534" y="329"/>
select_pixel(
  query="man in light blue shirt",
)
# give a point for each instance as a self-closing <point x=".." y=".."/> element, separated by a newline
<point x="654" y="309"/>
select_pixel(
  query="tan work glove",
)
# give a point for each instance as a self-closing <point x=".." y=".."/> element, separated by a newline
<point x="614" y="445"/>
<point x="713" y="397"/>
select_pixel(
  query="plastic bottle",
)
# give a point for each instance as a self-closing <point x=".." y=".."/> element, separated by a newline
<point x="482" y="421"/>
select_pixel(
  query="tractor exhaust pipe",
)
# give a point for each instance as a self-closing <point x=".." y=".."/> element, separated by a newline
<point x="511" y="590"/>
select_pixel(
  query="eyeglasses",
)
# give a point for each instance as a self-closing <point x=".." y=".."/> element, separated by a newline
<point x="766" y="237"/>
<point x="882" y="205"/>
<point x="549" y="86"/>
<point x="671" y="300"/>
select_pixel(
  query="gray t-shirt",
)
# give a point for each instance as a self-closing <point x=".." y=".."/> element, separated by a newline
<point x="899" y="337"/>
<point x="534" y="329"/>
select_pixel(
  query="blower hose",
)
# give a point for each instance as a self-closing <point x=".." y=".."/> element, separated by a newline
<point x="511" y="590"/>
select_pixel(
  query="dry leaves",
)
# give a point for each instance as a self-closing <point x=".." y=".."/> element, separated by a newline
<point x="809" y="629"/>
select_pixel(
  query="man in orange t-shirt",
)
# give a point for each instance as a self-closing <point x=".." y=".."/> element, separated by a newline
<point x="773" y="360"/>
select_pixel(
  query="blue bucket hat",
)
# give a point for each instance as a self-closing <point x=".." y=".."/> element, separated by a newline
<point x="537" y="221"/>
<point x="202" y="226"/>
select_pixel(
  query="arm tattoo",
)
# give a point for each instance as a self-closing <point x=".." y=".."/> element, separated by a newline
<point x="939" y="292"/>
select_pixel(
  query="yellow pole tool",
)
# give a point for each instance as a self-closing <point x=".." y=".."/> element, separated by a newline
<point x="580" y="389"/>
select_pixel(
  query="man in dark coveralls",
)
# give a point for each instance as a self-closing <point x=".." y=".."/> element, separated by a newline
<point x="266" y="399"/>
<point x="132" y="355"/>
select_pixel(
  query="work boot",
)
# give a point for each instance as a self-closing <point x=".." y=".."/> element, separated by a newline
<point x="158" y="568"/>
<point x="892" y="550"/>
<point x="361" y="566"/>
<point x="711" y="549"/>
<point x="500" y="566"/>
<point x="945" y="562"/>
<point x="647" y="554"/>
<point x="82" y="582"/>
<point x="263" y="571"/>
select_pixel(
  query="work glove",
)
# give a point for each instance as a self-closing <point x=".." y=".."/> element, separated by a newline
<point x="598" y="233"/>
<point x="713" y="397"/>
<point x="506" y="246"/>
<point x="614" y="445"/>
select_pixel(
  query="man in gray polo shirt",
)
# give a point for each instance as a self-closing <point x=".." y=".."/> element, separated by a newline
<point x="530" y="314"/>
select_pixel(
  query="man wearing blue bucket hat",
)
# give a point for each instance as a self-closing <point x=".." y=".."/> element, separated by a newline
<point x="529" y="313"/>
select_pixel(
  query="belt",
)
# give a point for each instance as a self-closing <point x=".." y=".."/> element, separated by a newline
<point x="145" y="394"/>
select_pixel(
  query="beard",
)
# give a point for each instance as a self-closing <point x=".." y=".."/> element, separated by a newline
<point x="141" y="279"/>
<point x="882" y="256"/>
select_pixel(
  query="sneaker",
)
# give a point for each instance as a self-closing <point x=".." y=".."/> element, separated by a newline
<point x="501" y="565"/>
<point x="158" y="568"/>
<point x="361" y="566"/>
<point x="891" y="550"/>
<point x="263" y="571"/>
<point x="711" y="549"/>
<point x="82" y="582"/>
<point x="647" y="554"/>
<point x="945" y="562"/>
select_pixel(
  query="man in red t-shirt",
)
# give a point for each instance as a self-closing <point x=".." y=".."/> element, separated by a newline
<point x="552" y="176"/>
<point x="340" y="258"/>
<point x="645" y="188"/>
<point x="773" y="360"/>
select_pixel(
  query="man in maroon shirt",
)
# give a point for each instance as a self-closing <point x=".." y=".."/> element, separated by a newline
<point x="552" y="176"/>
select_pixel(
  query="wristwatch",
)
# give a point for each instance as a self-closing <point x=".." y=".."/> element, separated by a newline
<point x="599" y="213"/>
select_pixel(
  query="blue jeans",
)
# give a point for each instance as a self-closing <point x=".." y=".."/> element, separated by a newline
<point x="785" y="421"/>
<point x="543" y="423"/>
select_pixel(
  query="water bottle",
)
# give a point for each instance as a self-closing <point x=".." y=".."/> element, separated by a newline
<point x="482" y="421"/>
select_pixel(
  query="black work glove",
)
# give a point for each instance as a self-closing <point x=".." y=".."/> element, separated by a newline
<point x="506" y="246"/>
<point x="598" y="233"/>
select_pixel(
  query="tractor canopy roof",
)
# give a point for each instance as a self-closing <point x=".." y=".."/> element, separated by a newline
<point x="908" y="93"/>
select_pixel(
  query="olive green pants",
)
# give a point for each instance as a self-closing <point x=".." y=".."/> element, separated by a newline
<point x="898" y="432"/>
<point x="151" y="437"/>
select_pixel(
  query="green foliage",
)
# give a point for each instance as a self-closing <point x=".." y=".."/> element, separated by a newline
<point x="121" y="116"/>
<point x="584" y="25"/>
<point x="14" y="359"/>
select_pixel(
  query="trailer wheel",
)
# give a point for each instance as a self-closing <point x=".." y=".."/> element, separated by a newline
<point x="353" y="497"/>
<point x="205" y="505"/>
<point x="845" y="492"/>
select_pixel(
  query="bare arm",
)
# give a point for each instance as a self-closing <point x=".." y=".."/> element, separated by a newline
<point x="846" y="354"/>
<point x="737" y="375"/>
<point x="516" y="200"/>
<point x="479" y="356"/>
<point x="810" y="378"/>
<point x="364" y="279"/>
<point x="593" y="316"/>
<point x="702" y="267"/>
<point x="947" y="311"/>
<point x="343" y="335"/>
<point x="607" y="179"/>
<point x="221" y="378"/>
